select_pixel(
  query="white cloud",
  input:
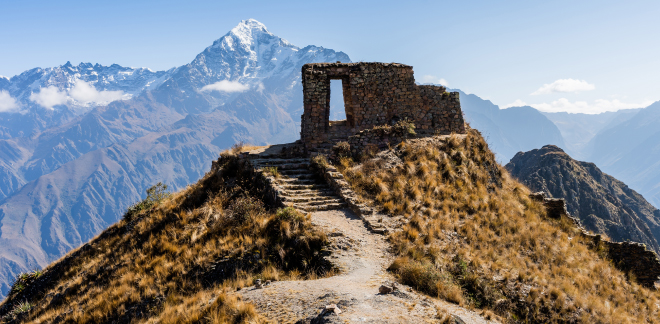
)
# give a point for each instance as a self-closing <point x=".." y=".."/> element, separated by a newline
<point x="564" y="85"/>
<point x="84" y="92"/>
<point x="598" y="106"/>
<point x="261" y="87"/>
<point x="434" y="79"/>
<point x="49" y="97"/>
<point x="226" y="86"/>
<point x="3" y="77"/>
<point x="517" y="103"/>
<point x="7" y="102"/>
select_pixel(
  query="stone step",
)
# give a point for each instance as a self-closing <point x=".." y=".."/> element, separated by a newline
<point x="289" y="181"/>
<point x="308" y="208"/>
<point x="279" y="161"/>
<point x="313" y="200"/>
<point x="294" y="172"/>
<point x="282" y="167"/>
<point x="305" y="176"/>
<point x="293" y="187"/>
<point x="323" y="202"/>
<point x="305" y="193"/>
<point x="300" y="164"/>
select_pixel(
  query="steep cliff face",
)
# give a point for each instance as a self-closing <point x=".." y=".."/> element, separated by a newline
<point x="602" y="203"/>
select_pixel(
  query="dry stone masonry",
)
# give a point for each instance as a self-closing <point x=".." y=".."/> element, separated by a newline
<point x="631" y="257"/>
<point x="383" y="107"/>
<point x="375" y="94"/>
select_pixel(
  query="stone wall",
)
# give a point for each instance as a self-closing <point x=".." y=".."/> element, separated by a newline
<point x="374" y="94"/>
<point x="629" y="257"/>
<point x="379" y="137"/>
<point x="375" y="222"/>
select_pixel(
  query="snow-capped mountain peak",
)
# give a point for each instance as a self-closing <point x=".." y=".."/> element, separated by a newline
<point x="249" y="54"/>
<point x="248" y="57"/>
<point x="247" y="30"/>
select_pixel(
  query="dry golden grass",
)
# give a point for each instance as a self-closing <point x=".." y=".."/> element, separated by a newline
<point x="475" y="238"/>
<point x="178" y="261"/>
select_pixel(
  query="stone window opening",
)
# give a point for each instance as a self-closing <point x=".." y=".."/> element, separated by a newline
<point x="339" y="110"/>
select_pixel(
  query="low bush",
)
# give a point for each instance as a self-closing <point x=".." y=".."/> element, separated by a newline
<point x="273" y="171"/>
<point x="342" y="149"/>
<point x="155" y="194"/>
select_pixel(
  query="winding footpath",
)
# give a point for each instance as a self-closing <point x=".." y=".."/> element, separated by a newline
<point x="362" y="258"/>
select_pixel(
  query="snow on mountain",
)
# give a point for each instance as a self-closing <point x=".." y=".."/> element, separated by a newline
<point x="247" y="58"/>
<point x="83" y="86"/>
<point x="71" y="160"/>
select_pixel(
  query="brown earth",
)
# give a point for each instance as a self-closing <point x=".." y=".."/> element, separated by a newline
<point x="362" y="258"/>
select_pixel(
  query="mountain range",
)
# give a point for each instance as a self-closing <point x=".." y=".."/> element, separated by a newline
<point x="80" y="144"/>
<point x="624" y="144"/>
<point x="70" y="165"/>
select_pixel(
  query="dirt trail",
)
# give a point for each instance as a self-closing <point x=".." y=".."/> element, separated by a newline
<point x="362" y="257"/>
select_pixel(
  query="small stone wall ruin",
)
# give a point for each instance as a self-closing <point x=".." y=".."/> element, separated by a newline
<point x="630" y="257"/>
<point x="375" y="94"/>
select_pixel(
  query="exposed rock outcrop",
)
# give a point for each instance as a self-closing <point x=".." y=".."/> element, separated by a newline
<point x="602" y="203"/>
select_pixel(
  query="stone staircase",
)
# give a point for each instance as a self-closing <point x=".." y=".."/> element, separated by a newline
<point x="297" y="185"/>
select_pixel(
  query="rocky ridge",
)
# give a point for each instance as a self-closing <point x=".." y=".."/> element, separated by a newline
<point x="602" y="203"/>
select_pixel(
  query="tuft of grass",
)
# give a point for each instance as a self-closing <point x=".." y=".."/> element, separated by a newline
<point x="473" y="236"/>
<point x="426" y="277"/>
<point x="342" y="149"/>
<point x="273" y="171"/>
<point x="320" y="162"/>
<point x="24" y="280"/>
<point x="21" y="308"/>
<point x="289" y="214"/>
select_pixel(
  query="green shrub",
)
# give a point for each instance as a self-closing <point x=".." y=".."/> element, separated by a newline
<point x="23" y="280"/>
<point x="273" y="171"/>
<point x="289" y="214"/>
<point x="155" y="194"/>
<point x="21" y="308"/>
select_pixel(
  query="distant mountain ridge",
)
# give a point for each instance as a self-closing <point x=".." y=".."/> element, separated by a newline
<point x="631" y="151"/>
<point x="578" y="130"/>
<point x="509" y="131"/>
<point x="602" y="203"/>
<point x="70" y="170"/>
<point x="625" y="144"/>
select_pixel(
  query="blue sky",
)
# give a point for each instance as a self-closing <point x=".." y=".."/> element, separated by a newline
<point x="578" y="56"/>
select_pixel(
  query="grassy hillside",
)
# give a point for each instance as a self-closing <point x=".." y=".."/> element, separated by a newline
<point x="173" y="258"/>
<point x="603" y="204"/>
<point x="474" y="237"/>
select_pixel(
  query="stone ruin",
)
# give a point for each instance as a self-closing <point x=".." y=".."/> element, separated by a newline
<point x="630" y="257"/>
<point x="375" y="94"/>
